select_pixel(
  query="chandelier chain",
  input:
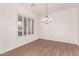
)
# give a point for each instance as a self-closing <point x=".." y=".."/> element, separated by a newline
<point x="46" y="9"/>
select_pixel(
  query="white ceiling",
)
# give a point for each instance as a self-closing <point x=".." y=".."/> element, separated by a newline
<point x="39" y="8"/>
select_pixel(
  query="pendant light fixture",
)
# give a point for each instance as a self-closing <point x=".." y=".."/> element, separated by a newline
<point x="46" y="19"/>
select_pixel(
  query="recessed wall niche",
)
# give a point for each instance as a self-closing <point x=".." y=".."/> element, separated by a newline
<point x="25" y="25"/>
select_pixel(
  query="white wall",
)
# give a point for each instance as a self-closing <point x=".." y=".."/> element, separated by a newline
<point x="62" y="28"/>
<point x="78" y="24"/>
<point x="8" y="27"/>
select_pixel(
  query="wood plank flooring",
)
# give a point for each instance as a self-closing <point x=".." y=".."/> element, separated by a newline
<point x="45" y="48"/>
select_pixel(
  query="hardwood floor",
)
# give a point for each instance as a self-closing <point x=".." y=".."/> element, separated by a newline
<point x="45" y="48"/>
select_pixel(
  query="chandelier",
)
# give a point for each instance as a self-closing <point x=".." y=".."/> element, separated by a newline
<point x="46" y="19"/>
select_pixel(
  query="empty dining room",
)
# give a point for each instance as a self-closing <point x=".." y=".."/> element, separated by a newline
<point x="39" y="29"/>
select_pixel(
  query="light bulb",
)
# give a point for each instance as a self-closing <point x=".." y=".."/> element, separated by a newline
<point x="46" y="20"/>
